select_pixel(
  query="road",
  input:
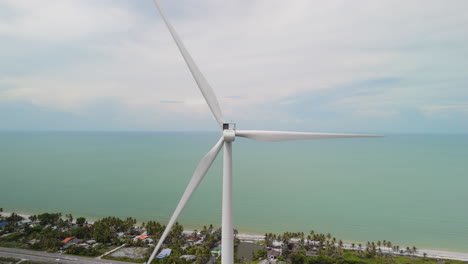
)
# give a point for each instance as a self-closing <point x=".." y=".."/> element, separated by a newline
<point x="51" y="257"/>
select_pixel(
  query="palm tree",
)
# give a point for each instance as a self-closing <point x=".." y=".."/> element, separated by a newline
<point x="353" y="245"/>
<point x="359" y="250"/>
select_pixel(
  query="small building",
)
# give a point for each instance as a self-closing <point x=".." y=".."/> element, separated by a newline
<point x="144" y="238"/>
<point x="91" y="242"/>
<point x="2" y="224"/>
<point x="164" y="253"/>
<point x="273" y="254"/>
<point x="32" y="241"/>
<point x="216" y="252"/>
<point x="311" y="253"/>
<point x="189" y="258"/>
<point x="193" y="240"/>
<point x="68" y="239"/>
<point x="277" y="243"/>
<point x="22" y="222"/>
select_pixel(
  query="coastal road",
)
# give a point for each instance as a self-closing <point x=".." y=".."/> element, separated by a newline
<point x="46" y="257"/>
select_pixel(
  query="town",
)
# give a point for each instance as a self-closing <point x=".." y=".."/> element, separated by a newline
<point x="116" y="239"/>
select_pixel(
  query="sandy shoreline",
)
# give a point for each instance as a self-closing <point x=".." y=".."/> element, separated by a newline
<point x="431" y="253"/>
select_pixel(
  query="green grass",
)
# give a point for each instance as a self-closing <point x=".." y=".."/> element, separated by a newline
<point x="8" y="260"/>
<point x="34" y="262"/>
<point x="124" y="259"/>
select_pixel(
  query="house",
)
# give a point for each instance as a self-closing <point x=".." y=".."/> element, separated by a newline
<point x="68" y="239"/>
<point x="189" y="258"/>
<point x="32" y="241"/>
<point x="144" y="238"/>
<point x="83" y="245"/>
<point x="26" y="221"/>
<point x="193" y="239"/>
<point x="277" y="243"/>
<point x="164" y="253"/>
<point x="311" y="254"/>
<point x="216" y="252"/>
<point x="273" y="254"/>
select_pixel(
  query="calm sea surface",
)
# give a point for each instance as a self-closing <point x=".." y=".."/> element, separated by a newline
<point x="411" y="190"/>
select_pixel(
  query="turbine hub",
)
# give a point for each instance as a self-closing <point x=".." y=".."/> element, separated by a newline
<point x="229" y="132"/>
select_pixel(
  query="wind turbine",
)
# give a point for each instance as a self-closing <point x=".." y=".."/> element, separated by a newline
<point x="229" y="133"/>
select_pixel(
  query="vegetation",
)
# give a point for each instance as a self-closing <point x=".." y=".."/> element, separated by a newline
<point x="326" y="249"/>
<point x="48" y="232"/>
<point x="8" y="260"/>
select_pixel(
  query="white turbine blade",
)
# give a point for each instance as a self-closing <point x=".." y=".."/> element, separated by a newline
<point x="261" y="135"/>
<point x="202" y="83"/>
<point x="197" y="177"/>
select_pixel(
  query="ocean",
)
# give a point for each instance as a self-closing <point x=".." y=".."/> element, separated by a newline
<point x="407" y="189"/>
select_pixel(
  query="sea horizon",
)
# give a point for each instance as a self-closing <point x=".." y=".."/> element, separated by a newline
<point x="401" y="188"/>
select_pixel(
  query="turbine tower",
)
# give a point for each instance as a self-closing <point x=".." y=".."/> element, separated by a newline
<point x="229" y="134"/>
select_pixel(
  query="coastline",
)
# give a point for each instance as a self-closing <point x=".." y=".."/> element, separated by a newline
<point x="252" y="238"/>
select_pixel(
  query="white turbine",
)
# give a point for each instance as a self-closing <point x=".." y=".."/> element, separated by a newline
<point x="228" y="136"/>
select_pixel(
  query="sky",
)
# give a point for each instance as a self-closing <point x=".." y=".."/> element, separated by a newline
<point x="388" y="66"/>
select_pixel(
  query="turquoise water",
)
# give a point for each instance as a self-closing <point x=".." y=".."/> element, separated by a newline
<point x="411" y="190"/>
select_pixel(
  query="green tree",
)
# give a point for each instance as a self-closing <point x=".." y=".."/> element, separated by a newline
<point x="260" y="254"/>
<point x="154" y="228"/>
<point x="80" y="220"/>
<point x="203" y="254"/>
<point x="14" y="218"/>
<point x="49" y="219"/>
<point x="297" y="258"/>
<point x="69" y="217"/>
<point x="82" y="232"/>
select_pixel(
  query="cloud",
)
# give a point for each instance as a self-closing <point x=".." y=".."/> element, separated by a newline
<point x="443" y="111"/>
<point x="266" y="60"/>
<point x="170" y="102"/>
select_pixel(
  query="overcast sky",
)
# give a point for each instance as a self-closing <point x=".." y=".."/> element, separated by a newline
<point x="323" y="66"/>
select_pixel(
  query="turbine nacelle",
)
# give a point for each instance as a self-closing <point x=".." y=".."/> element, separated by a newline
<point x="229" y="132"/>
